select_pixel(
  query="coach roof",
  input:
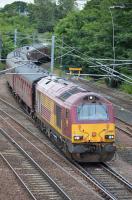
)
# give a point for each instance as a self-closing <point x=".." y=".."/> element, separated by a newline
<point x="31" y="72"/>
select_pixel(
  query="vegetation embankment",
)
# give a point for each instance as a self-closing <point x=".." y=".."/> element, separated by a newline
<point x="2" y="66"/>
<point x="90" y="31"/>
<point x="87" y="34"/>
<point x="13" y="18"/>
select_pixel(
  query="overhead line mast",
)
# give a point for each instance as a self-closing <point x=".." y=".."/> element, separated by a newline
<point x="52" y="53"/>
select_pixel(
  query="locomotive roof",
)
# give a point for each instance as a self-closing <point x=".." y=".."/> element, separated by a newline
<point x="74" y="98"/>
<point x="63" y="91"/>
<point x="55" y="85"/>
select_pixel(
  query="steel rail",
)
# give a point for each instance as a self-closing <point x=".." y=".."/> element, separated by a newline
<point x="20" y="111"/>
<point x="61" y="156"/>
<point x="128" y="126"/>
<point x="27" y="130"/>
<point x="91" y="179"/>
<point x="117" y="175"/>
<point x="88" y="178"/>
<point x="125" y="131"/>
<point x="105" y="193"/>
<point x="17" y="174"/>
<point x="42" y="171"/>
<point x="124" y="122"/>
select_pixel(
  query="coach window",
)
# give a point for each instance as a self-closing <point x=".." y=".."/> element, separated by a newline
<point x="27" y="88"/>
<point x="17" y="80"/>
<point x="20" y="84"/>
<point x="24" y="86"/>
<point x="58" y="116"/>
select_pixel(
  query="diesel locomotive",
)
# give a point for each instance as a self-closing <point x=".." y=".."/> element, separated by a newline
<point x="80" y="122"/>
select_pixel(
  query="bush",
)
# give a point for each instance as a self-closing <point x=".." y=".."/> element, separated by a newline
<point x="113" y="82"/>
<point x="126" y="87"/>
<point x="2" y="66"/>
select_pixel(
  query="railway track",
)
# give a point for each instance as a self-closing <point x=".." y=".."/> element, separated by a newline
<point x="10" y="186"/>
<point x="126" y="154"/>
<point x="34" y="183"/>
<point x="108" y="181"/>
<point x="81" y="176"/>
<point x="113" y="97"/>
<point x="35" y="180"/>
<point x="59" y="168"/>
<point x="6" y="106"/>
<point x="124" y="127"/>
<point x="124" y="140"/>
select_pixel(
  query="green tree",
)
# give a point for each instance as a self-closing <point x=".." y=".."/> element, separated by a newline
<point x="64" y="7"/>
<point x="44" y="14"/>
<point x="15" y="20"/>
<point x="16" y="7"/>
<point x="91" y="31"/>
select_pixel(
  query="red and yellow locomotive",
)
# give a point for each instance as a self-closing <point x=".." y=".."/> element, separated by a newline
<point x="80" y="122"/>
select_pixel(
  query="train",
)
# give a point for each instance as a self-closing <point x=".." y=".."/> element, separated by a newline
<point x="79" y="122"/>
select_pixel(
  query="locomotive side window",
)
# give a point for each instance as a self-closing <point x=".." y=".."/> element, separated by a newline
<point x="67" y="113"/>
<point x="92" y="112"/>
<point x="58" y="116"/>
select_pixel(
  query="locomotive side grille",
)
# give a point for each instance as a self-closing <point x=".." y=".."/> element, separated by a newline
<point x="58" y="116"/>
<point x="45" y="113"/>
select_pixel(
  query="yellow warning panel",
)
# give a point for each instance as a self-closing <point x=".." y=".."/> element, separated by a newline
<point x="75" y="69"/>
<point x="71" y="69"/>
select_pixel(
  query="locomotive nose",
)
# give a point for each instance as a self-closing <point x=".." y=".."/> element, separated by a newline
<point x="102" y="132"/>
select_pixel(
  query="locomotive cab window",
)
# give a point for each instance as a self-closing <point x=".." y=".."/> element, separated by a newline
<point x="92" y="112"/>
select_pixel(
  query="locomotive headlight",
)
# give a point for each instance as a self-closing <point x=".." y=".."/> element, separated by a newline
<point x="90" y="97"/>
<point x="78" y="137"/>
<point x="109" y="137"/>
